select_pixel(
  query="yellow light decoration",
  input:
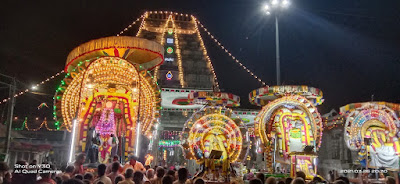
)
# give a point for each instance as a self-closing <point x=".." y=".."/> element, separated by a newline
<point x="109" y="73"/>
<point x="145" y="54"/>
<point x="133" y="23"/>
<point x="230" y="54"/>
<point x="44" y="123"/>
<point x="205" y="53"/>
<point x="213" y="128"/>
<point x="372" y="120"/>
<point x="142" y="24"/>
<point x="178" y="53"/>
<point x="162" y="42"/>
<point x="262" y="96"/>
<point x="339" y="121"/>
<point x="274" y="120"/>
<point x="36" y="86"/>
<point x="113" y="80"/>
<point x="175" y="30"/>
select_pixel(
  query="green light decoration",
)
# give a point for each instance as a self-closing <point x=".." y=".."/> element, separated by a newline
<point x="170" y="50"/>
<point x="117" y="110"/>
<point x="23" y="124"/>
<point x="168" y="143"/>
<point x="170" y="31"/>
<point x="295" y="134"/>
<point x="245" y="120"/>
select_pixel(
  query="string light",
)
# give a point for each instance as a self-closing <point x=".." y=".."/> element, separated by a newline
<point x="142" y="24"/>
<point x="230" y="54"/>
<point x="329" y="124"/>
<point x="169" y="50"/>
<point x="44" y="123"/>
<point x="175" y="31"/>
<point x="133" y="23"/>
<point x="164" y="29"/>
<point x="23" y="124"/>
<point x="36" y="86"/>
<point x="205" y="53"/>
<point x="169" y="135"/>
<point x="178" y="54"/>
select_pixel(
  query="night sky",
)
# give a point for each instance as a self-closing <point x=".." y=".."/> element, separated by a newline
<point x="348" y="49"/>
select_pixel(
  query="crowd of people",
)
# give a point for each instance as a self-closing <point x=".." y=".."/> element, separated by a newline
<point x="134" y="172"/>
<point x="300" y="178"/>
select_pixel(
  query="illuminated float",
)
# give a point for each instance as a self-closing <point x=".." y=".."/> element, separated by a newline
<point x="372" y="129"/>
<point x="214" y="127"/>
<point x="108" y="97"/>
<point x="214" y="98"/>
<point x="289" y="126"/>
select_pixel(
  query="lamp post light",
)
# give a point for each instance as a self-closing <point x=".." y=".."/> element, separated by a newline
<point x="275" y="6"/>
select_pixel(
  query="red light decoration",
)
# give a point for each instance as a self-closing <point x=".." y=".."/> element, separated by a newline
<point x="170" y="50"/>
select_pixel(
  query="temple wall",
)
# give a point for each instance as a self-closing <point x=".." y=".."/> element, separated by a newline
<point x="333" y="153"/>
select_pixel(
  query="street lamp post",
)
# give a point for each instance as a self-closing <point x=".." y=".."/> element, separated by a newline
<point x="276" y="6"/>
<point x="11" y="105"/>
<point x="278" y="64"/>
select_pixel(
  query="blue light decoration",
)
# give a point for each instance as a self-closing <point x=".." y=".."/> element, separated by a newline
<point x="169" y="75"/>
<point x="170" y="40"/>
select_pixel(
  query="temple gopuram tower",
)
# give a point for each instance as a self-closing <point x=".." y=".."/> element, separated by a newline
<point x="187" y="65"/>
<point x="186" y="69"/>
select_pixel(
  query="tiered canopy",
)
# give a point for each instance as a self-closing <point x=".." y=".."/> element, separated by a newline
<point x="262" y="96"/>
<point x="115" y="65"/>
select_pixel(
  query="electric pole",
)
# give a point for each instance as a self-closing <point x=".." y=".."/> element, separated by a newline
<point x="10" y="113"/>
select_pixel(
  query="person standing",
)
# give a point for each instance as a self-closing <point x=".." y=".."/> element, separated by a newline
<point x="80" y="160"/>
<point x="101" y="172"/>
<point x="46" y="178"/>
<point x="3" y="171"/>
<point x="68" y="173"/>
<point x="138" y="177"/>
<point x="109" y="167"/>
<point x="167" y="179"/>
<point x="114" y="144"/>
<point x="134" y="164"/>
<point x="128" y="177"/>
<point x="89" y="144"/>
<point x="114" y="172"/>
<point x="150" y="173"/>
<point x="182" y="176"/>
<point x="159" y="175"/>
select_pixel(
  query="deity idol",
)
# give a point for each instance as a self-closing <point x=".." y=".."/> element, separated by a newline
<point x="105" y="129"/>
